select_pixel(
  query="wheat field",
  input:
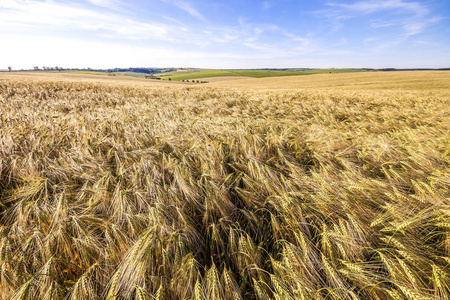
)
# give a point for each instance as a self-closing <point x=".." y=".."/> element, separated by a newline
<point x="331" y="186"/>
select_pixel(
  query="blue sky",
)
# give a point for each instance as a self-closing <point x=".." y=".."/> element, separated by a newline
<point x="225" y="33"/>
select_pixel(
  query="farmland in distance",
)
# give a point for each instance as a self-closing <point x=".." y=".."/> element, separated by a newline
<point x="327" y="186"/>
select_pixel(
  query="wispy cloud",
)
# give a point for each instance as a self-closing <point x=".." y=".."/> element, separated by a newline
<point x="187" y="7"/>
<point x="45" y="18"/>
<point x="412" y="16"/>
<point x="414" y="27"/>
<point x="182" y="31"/>
<point x="110" y="4"/>
<point x="266" y="5"/>
<point x="371" y="6"/>
<point x="50" y="16"/>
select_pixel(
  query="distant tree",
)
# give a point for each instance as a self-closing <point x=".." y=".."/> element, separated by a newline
<point x="9" y="68"/>
<point x="36" y="68"/>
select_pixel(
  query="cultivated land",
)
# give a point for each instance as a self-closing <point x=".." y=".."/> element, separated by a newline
<point x="328" y="186"/>
<point x="200" y="74"/>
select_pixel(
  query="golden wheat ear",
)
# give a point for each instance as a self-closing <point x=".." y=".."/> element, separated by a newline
<point x="127" y="190"/>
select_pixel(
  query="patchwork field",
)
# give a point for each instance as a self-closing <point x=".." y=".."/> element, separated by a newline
<point x="327" y="186"/>
<point x="427" y="82"/>
<point x="200" y="74"/>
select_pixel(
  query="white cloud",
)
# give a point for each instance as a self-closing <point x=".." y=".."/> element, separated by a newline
<point x="83" y="33"/>
<point x="187" y="7"/>
<point x="380" y="5"/>
<point x="64" y="52"/>
<point x="266" y="5"/>
<point x="414" y="27"/>
<point x="110" y="4"/>
<point x="50" y="19"/>
<point x="63" y="34"/>
<point x="49" y="51"/>
<point x="49" y="16"/>
<point x="411" y="16"/>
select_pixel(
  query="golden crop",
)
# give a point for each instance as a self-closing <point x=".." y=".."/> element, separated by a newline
<point x="122" y="189"/>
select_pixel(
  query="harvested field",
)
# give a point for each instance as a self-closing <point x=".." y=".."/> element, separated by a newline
<point x="426" y="81"/>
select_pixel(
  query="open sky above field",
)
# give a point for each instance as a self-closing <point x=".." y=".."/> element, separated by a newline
<point x="225" y="34"/>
